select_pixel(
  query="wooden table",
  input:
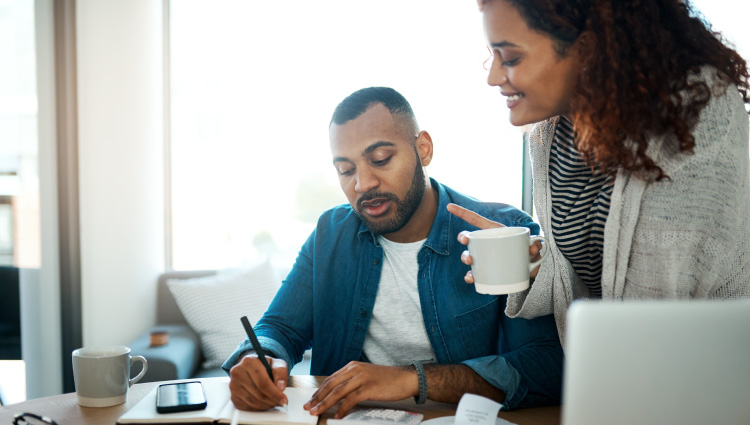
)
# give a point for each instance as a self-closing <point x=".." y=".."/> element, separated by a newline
<point x="65" y="409"/>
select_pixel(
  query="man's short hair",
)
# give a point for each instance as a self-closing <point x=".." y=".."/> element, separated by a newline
<point x="359" y="101"/>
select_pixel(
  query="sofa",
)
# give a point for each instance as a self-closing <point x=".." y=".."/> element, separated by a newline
<point x="182" y="356"/>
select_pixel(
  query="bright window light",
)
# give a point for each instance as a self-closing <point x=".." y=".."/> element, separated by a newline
<point x="730" y="19"/>
<point x="20" y="241"/>
<point x="254" y="85"/>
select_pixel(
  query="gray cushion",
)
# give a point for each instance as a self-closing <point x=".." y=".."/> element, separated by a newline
<point x="213" y="305"/>
<point x="167" y="310"/>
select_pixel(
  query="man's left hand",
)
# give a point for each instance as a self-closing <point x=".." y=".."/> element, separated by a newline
<point x="357" y="382"/>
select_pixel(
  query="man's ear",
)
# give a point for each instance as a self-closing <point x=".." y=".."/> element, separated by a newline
<point x="423" y="145"/>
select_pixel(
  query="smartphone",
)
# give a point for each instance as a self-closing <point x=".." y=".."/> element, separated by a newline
<point x="180" y="397"/>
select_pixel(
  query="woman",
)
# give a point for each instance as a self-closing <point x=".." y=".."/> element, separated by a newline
<point x="639" y="149"/>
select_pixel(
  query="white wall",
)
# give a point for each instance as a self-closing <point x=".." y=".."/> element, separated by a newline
<point x="120" y="128"/>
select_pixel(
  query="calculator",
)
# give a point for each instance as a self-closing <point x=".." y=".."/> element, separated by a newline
<point x="379" y="417"/>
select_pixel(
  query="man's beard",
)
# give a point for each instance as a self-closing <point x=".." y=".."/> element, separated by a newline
<point x="404" y="208"/>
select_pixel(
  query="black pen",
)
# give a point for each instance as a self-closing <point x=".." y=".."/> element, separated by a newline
<point x="256" y="345"/>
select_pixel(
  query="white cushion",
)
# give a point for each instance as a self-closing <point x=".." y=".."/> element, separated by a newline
<point x="213" y="306"/>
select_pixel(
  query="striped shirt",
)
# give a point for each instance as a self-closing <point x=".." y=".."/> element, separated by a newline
<point x="580" y="205"/>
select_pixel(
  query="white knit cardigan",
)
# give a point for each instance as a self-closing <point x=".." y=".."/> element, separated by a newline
<point x="684" y="238"/>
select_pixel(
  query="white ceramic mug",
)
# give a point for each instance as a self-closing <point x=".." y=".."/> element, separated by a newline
<point x="102" y="374"/>
<point x="500" y="259"/>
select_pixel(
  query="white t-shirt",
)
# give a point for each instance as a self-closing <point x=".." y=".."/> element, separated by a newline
<point x="397" y="334"/>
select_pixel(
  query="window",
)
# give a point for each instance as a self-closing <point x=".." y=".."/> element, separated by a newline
<point x="253" y="87"/>
<point x="19" y="176"/>
<point x="20" y="241"/>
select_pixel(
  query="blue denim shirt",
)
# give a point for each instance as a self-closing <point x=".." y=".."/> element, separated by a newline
<point x="327" y="300"/>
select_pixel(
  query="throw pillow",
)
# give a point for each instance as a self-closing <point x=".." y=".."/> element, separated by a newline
<point x="213" y="306"/>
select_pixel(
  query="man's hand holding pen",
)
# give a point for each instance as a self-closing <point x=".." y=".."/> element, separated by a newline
<point x="251" y="387"/>
<point x="257" y="382"/>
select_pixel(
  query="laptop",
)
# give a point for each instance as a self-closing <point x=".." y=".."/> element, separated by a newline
<point x="657" y="362"/>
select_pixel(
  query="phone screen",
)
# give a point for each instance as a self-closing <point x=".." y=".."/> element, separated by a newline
<point x="180" y="397"/>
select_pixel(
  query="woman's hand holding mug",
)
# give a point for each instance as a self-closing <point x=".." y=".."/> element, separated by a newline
<point x="477" y="220"/>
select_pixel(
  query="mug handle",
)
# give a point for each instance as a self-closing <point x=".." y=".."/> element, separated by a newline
<point x="543" y="252"/>
<point x="143" y="361"/>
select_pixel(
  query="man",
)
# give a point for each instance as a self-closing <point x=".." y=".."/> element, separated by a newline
<point x="378" y="287"/>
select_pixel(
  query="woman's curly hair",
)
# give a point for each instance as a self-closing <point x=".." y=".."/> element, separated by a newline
<point x="635" y="82"/>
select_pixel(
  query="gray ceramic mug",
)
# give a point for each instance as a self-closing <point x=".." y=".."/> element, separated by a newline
<point x="102" y="374"/>
<point x="500" y="259"/>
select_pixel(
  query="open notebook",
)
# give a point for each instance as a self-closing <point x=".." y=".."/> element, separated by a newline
<point x="220" y="409"/>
